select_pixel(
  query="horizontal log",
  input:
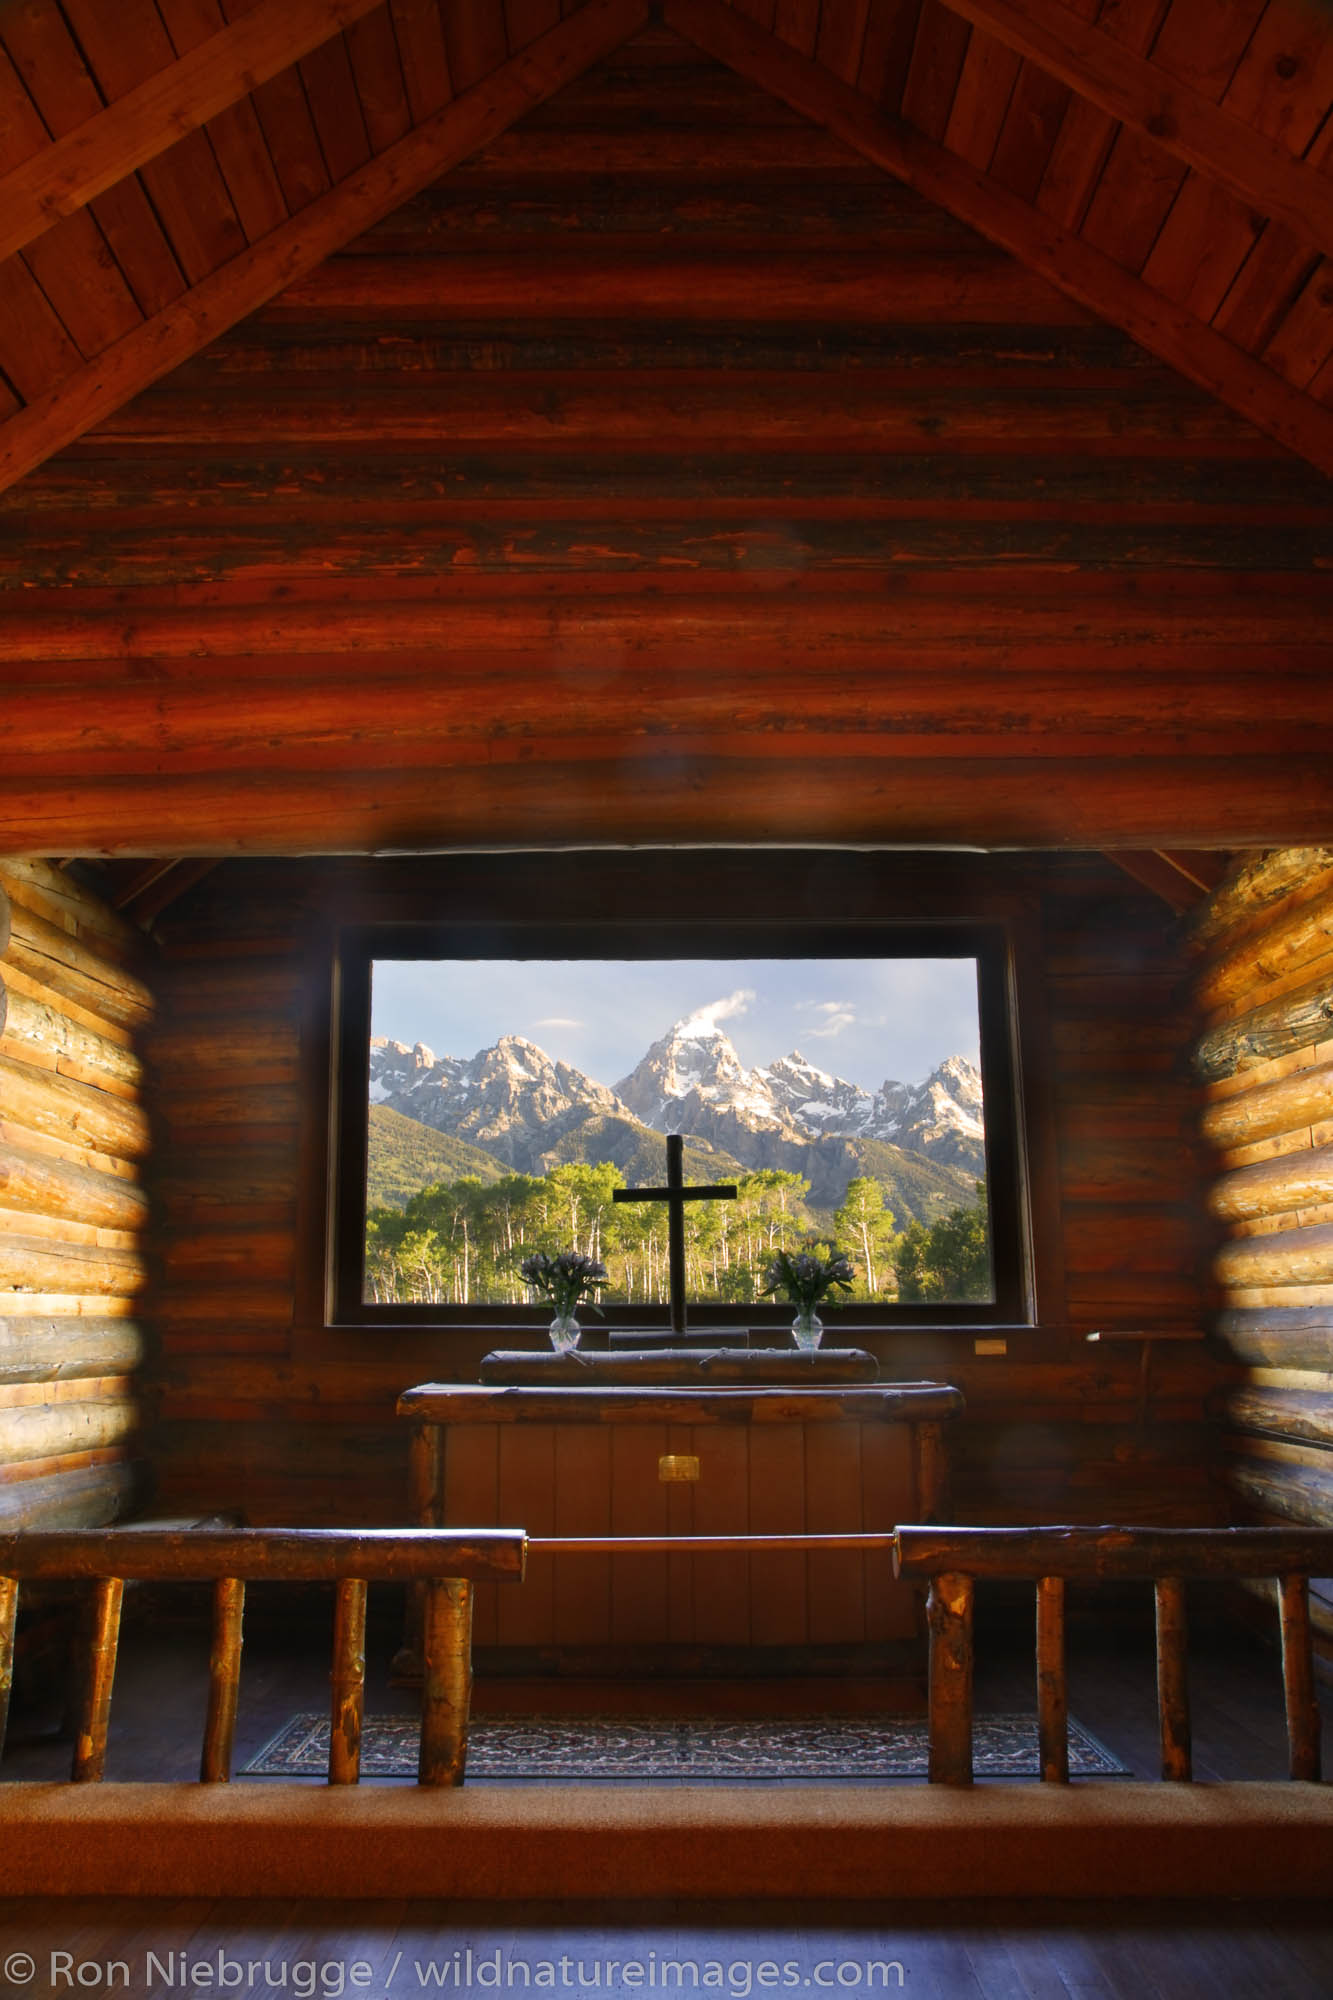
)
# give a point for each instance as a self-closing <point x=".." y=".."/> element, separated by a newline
<point x="79" y="1194"/>
<point x="77" y="1049"/>
<point x="610" y="281"/>
<point x="51" y="1349"/>
<point x="1300" y="934"/>
<point x="1103" y="1553"/>
<point x="43" y="1264"/>
<point x="211" y="1115"/>
<point x="914" y="610"/>
<point x="1254" y="885"/>
<point x="19" y="982"/>
<point x="1274" y="1187"/>
<point x="229" y="1305"/>
<point x="41" y="1430"/>
<point x="1297" y="1020"/>
<point x="216" y="1182"/>
<point x="452" y="716"/>
<point x="174" y="1339"/>
<point x="306" y="1555"/>
<point x="1292" y="1103"/>
<point x="1298" y="1493"/>
<point x="1304" y="1415"/>
<point x="639" y="793"/>
<point x="904" y="1402"/>
<point x="1130" y="1240"/>
<point x="167" y="494"/>
<point x="86" y="1496"/>
<point x="66" y="900"/>
<point x="66" y="965"/>
<point x="1122" y="1168"/>
<point x="253" y="1255"/>
<point x="636" y="409"/>
<point x="92" y="1388"/>
<point x="476" y="202"/>
<point x="1288" y="1257"/>
<point x="258" y="1044"/>
<point x="792" y="545"/>
<point x="1299" y="1337"/>
<point x="1258" y="1298"/>
<point x="65" y="1109"/>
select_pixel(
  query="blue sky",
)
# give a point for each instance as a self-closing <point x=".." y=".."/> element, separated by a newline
<point x="863" y="1019"/>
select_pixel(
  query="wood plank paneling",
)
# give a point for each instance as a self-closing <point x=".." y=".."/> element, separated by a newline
<point x="1086" y="1432"/>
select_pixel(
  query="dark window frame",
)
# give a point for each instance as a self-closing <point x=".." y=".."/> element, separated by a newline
<point x="989" y="940"/>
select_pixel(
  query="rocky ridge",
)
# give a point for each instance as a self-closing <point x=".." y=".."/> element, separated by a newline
<point x="528" y="1110"/>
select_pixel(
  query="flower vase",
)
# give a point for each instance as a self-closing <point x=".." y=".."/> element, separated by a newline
<point x="807" y="1329"/>
<point x="565" y="1331"/>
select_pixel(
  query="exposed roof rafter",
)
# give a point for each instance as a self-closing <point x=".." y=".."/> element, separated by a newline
<point x="249" y="281"/>
<point x="1180" y="879"/>
<point x="65" y="176"/>
<point x="1165" y="109"/>
<point x="1175" y="335"/>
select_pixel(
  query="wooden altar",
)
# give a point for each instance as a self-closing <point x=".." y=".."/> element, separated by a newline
<point x="604" y="1458"/>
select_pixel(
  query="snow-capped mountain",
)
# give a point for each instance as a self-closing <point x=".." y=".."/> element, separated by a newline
<point x="692" y="1080"/>
<point x="512" y="1099"/>
<point x="519" y="1104"/>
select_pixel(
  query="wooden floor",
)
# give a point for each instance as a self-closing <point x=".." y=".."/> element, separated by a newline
<point x="1039" y="1951"/>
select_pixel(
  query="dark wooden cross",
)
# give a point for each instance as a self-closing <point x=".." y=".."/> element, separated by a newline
<point x="675" y="1194"/>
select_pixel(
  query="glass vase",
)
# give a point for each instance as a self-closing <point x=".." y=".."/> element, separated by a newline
<point x="807" y="1329"/>
<point x="565" y="1331"/>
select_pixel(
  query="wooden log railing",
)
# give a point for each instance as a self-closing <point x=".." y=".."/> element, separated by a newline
<point x="446" y="1562"/>
<point x="952" y="1559"/>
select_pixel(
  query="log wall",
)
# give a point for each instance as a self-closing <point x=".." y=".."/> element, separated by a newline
<point x="74" y="1135"/>
<point x="782" y="505"/>
<point x="261" y="1407"/>
<point x="1265" y="1057"/>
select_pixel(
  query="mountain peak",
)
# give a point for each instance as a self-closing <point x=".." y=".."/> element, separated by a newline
<point x="519" y="1103"/>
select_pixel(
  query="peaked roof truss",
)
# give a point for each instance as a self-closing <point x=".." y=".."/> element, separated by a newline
<point x="470" y="68"/>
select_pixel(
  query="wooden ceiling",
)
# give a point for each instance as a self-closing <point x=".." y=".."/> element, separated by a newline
<point x="170" y="164"/>
<point x="487" y="424"/>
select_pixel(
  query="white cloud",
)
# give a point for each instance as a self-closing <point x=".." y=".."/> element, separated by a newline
<point x="557" y="1021"/>
<point x="704" y="1020"/>
<point x="838" y="1020"/>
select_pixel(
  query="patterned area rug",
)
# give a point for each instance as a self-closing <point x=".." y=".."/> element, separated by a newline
<point x="597" y="1748"/>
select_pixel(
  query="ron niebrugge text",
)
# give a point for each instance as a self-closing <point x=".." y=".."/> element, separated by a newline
<point x="462" y="1970"/>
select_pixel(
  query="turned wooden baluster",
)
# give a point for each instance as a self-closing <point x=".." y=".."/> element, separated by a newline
<point x="1052" y="1687"/>
<point x="95" y="1714"/>
<point x="949" y="1615"/>
<point x="1173" y="1696"/>
<point x="1298" y="1678"/>
<point x="224" y="1680"/>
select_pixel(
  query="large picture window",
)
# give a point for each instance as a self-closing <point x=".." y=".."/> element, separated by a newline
<point x="498" y="1082"/>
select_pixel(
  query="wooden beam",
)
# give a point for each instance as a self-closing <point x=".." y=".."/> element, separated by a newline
<point x="1161" y="874"/>
<point x="1167" y="110"/>
<point x="65" y="176"/>
<point x="249" y="281"/>
<point x="1085" y="273"/>
<point x="154" y="888"/>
